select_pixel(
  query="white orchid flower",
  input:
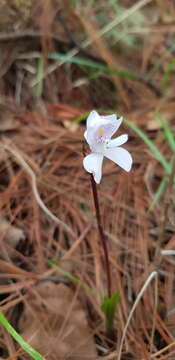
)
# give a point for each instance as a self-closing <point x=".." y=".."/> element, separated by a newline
<point x="98" y="135"/>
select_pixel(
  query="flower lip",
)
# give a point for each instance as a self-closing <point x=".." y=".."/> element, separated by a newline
<point x="100" y="129"/>
<point x="103" y="132"/>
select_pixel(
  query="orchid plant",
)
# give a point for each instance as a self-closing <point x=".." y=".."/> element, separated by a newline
<point x="98" y="134"/>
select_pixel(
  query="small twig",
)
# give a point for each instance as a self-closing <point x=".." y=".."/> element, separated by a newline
<point x="86" y="43"/>
<point x="32" y="175"/>
<point x="27" y="34"/>
<point x="101" y="233"/>
<point x="160" y="352"/>
<point x="24" y="34"/>
<point x="74" y="42"/>
<point x="156" y="299"/>
<point x="167" y="252"/>
<point x="140" y="294"/>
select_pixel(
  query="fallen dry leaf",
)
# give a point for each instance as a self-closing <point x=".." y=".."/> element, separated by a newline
<point x="54" y="323"/>
<point x="10" y="233"/>
<point x="3" y="155"/>
<point x="71" y="126"/>
<point x="8" y="124"/>
<point x="9" y="117"/>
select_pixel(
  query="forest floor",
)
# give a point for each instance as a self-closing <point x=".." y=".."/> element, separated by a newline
<point x="59" y="60"/>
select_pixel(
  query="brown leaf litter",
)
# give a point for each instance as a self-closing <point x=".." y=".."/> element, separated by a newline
<point x="59" y="316"/>
<point x="54" y="323"/>
<point x="54" y="153"/>
<point x="10" y="233"/>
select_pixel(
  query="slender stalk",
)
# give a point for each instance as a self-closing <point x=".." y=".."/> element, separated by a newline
<point x="101" y="233"/>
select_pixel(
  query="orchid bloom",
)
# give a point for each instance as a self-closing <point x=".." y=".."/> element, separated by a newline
<point x="98" y="135"/>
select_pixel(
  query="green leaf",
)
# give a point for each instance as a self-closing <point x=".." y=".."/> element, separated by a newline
<point x="26" y="347"/>
<point x="168" y="133"/>
<point x="159" y="192"/>
<point x="167" y="73"/>
<point x="108" y="306"/>
<point x="81" y="117"/>
<point x="70" y="277"/>
<point x="40" y="77"/>
<point x="155" y="151"/>
<point x="93" y="64"/>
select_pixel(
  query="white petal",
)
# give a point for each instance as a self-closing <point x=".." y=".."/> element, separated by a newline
<point x="109" y="127"/>
<point x="112" y="117"/>
<point x="93" y="164"/>
<point x="120" y="140"/>
<point x="93" y="119"/>
<point x="120" y="156"/>
<point x="117" y="124"/>
<point x="85" y="135"/>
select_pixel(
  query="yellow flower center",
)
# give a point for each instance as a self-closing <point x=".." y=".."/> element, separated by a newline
<point x="101" y="131"/>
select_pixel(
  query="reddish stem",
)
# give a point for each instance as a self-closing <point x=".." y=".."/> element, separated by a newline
<point x="101" y="233"/>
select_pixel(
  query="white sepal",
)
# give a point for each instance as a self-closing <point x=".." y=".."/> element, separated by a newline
<point x="93" y="164"/>
<point x="120" y="156"/>
<point x="120" y="140"/>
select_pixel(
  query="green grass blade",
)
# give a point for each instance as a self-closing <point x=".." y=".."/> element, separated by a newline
<point x="81" y="117"/>
<point x="157" y="64"/>
<point x="155" y="151"/>
<point x="93" y="64"/>
<point x="167" y="74"/>
<point x="159" y="192"/>
<point x="40" y="77"/>
<point x="70" y="277"/>
<point x="168" y="133"/>
<point x="26" y="347"/>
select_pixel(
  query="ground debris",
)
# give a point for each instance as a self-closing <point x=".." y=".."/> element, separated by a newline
<point x="10" y="234"/>
<point x="54" y="323"/>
